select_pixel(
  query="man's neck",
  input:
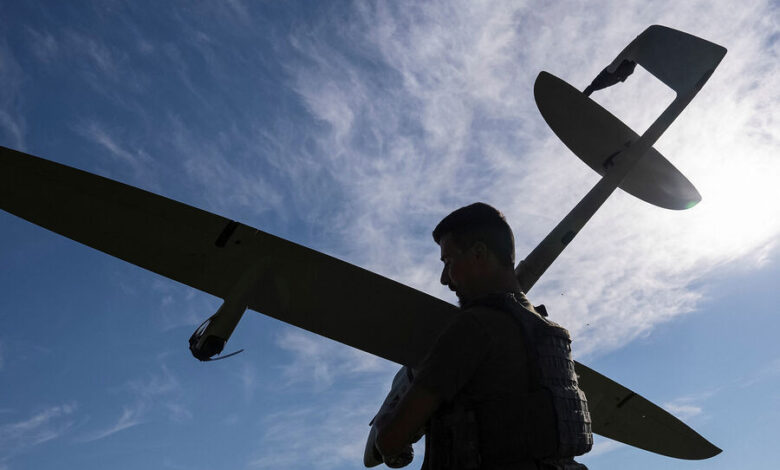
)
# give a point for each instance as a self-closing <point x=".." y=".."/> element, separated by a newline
<point x="502" y="282"/>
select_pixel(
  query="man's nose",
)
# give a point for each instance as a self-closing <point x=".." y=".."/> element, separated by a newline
<point x="444" y="279"/>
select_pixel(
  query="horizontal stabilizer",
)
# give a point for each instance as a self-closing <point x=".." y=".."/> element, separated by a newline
<point x="598" y="137"/>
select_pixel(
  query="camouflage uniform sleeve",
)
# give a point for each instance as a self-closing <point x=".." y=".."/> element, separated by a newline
<point x="454" y="357"/>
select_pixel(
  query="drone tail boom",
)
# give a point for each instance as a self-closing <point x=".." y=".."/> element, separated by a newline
<point x="624" y="159"/>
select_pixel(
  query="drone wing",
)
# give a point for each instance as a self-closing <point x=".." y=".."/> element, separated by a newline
<point x="294" y="284"/>
<point x="622" y="415"/>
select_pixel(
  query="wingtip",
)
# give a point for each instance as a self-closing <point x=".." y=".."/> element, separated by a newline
<point x="692" y="204"/>
<point x="541" y="78"/>
<point x="708" y="453"/>
<point x="701" y="450"/>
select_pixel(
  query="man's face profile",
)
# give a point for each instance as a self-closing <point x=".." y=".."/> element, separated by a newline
<point x="459" y="268"/>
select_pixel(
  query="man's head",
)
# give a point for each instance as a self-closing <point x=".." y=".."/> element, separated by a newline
<point x="478" y="251"/>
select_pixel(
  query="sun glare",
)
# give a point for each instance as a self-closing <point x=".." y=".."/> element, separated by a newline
<point x="719" y="147"/>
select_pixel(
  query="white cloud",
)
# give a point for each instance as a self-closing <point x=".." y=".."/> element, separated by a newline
<point x="445" y="117"/>
<point x="689" y="406"/>
<point x="422" y="107"/>
<point x="683" y="411"/>
<point x="768" y="371"/>
<point x="225" y="169"/>
<point x="322" y="362"/>
<point x="249" y="381"/>
<point x="152" y="397"/>
<point x="135" y="157"/>
<point x="240" y="9"/>
<point x="13" y="126"/>
<point x="43" y="44"/>
<point x="155" y="385"/>
<point x="331" y="428"/>
<point x="601" y="446"/>
<point x="132" y="415"/>
<point x="425" y="107"/>
<point x="12" y="123"/>
<point x="330" y="432"/>
<point x="179" y="305"/>
<point x="43" y="426"/>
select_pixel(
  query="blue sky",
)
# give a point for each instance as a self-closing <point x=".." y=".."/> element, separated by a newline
<point x="352" y="128"/>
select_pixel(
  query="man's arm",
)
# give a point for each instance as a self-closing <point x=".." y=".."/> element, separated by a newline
<point x="397" y="430"/>
<point x="454" y="357"/>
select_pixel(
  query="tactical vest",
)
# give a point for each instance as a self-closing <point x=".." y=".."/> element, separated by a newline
<point x="553" y="374"/>
<point x="554" y="422"/>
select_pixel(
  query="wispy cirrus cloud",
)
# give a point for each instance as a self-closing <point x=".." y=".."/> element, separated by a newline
<point x="333" y="435"/>
<point x="691" y="405"/>
<point x="769" y="370"/>
<point x="443" y="116"/>
<point x="131" y="415"/>
<point x="42" y="426"/>
<point x="226" y="169"/>
<point x="331" y="431"/>
<point x="43" y="44"/>
<point x="100" y="56"/>
<point x="150" y="397"/>
<point x="412" y="109"/>
<point x="601" y="446"/>
<point x="103" y="65"/>
<point x="13" y="127"/>
<point x="129" y="155"/>
<point x="12" y="124"/>
<point x="321" y="361"/>
<point x="683" y="410"/>
<point x="329" y="424"/>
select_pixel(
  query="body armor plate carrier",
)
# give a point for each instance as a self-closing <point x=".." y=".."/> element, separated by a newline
<point x="553" y="379"/>
<point x="555" y="416"/>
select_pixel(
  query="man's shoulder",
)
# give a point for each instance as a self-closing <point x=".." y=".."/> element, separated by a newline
<point x="478" y="314"/>
<point x="485" y="318"/>
<point x="475" y="324"/>
<point x="499" y="305"/>
<point x="464" y="320"/>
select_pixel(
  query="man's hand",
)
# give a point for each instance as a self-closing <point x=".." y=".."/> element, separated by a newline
<point x="371" y="457"/>
<point x="402" y="459"/>
<point x="398" y="429"/>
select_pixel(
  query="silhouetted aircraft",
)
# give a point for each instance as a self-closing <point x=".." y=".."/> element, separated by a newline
<point x="252" y="269"/>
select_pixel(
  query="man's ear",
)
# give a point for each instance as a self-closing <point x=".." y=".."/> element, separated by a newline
<point x="480" y="250"/>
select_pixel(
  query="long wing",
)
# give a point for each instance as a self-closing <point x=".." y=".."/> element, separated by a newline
<point x="622" y="415"/>
<point x="298" y="285"/>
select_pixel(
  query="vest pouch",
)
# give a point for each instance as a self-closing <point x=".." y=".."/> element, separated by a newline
<point x="455" y="440"/>
<point x="540" y="418"/>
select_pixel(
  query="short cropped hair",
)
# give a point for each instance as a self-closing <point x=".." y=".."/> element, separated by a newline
<point x="479" y="222"/>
